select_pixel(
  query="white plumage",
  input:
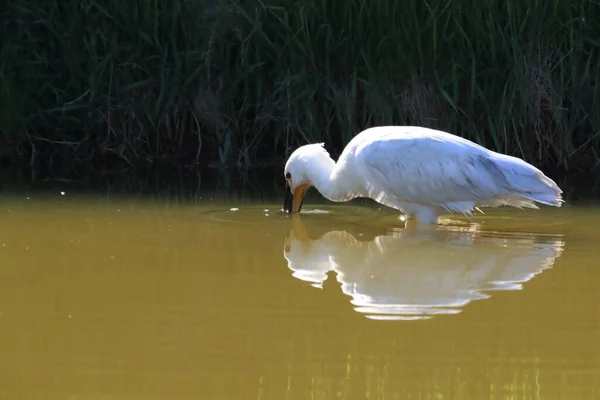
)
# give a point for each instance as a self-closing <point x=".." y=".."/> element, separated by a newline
<point x="420" y="171"/>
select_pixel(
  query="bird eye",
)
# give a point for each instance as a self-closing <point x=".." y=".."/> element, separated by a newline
<point x="288" y="176"/>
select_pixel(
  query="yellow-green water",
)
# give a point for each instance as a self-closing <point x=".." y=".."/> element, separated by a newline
<point x="117" y="298"/>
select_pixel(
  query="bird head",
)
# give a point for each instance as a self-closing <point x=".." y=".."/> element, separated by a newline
<point x="296" y="174"/>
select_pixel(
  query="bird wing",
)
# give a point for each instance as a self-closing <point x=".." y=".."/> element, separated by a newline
<point x="428" y="170"/>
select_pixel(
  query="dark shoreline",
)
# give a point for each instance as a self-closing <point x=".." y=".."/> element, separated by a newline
<point x="236" y="82"/>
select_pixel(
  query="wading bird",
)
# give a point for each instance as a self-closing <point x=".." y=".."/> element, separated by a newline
<point x="422" y="172"/>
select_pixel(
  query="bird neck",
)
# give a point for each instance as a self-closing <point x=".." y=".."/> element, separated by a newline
<point x="326" y="178"/>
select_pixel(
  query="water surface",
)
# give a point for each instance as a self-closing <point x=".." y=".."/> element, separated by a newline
<point x="220" y="296"/>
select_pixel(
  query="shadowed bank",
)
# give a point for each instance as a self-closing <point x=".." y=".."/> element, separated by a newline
<point x="98" y="83"/>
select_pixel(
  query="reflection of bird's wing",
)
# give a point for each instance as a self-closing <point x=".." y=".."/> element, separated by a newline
<point x="441" y="170"/>
<point x="522" y="261"/>
<point x="412" y="271"/>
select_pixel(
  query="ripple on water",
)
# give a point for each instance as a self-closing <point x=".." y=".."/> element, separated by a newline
<point x="267" y="213"/>
<point x="529" y="222"/>
<point x="493" y="221"/>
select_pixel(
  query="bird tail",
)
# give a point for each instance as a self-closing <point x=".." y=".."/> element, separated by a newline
<point x="550" y="199"/>
<point x="529" y="182"/>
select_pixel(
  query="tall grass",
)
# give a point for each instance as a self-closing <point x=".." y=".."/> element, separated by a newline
<point x="246" y="81"/>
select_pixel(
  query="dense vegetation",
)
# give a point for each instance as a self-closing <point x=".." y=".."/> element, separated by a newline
<point x="246" y="81"/>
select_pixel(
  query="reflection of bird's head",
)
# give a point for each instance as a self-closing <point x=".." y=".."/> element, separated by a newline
<point x="308" y="262"/>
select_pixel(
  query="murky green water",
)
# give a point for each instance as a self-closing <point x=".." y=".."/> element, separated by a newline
<point x="220" y="296"/>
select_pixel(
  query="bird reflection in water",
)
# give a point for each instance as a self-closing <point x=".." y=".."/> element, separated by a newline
<point x="405" y="274"/>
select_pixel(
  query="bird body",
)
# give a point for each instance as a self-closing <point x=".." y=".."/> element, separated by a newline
<point x="420" y="171"/>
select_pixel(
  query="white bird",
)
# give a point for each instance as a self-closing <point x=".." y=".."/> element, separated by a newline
<point x="422" y="172"/>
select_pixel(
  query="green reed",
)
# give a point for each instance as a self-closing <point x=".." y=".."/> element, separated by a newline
<point x="232" y="81"/>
